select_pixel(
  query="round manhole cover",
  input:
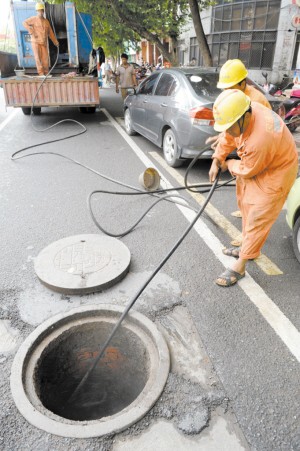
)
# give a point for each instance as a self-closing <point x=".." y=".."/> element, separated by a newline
<point x="122" y="388"/>
<point x="82" y="264"/>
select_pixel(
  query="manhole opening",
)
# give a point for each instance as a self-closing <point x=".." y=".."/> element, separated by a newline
<point x="116" y="382"/>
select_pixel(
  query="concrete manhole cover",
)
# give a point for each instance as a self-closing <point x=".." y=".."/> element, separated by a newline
<point x="82" y="264"/>
<point x="123" y="387"/>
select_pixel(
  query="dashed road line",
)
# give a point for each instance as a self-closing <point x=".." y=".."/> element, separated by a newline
<point x="8" y="119"/>
<point x="283" y="327"/>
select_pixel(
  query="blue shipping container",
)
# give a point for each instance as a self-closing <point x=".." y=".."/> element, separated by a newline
<point x="73" y="31"/>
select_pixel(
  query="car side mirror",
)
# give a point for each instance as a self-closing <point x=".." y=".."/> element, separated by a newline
<point x="131" y="91"/>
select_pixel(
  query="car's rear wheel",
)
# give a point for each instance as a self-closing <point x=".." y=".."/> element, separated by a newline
<point x="128" y="123"/>
<point x="296" y="239"/>
<point x="170" y="149"/>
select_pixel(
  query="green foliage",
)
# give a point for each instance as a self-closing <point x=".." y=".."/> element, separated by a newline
<point x="121" y="23"/>
<point x="127" y="21"/>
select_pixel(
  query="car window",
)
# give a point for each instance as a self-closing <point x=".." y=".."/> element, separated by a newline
<point x="166" y="85"/>
<point x="147" y="86"/>
<point x="204" y="84"/>
<point x="173" y="87"/>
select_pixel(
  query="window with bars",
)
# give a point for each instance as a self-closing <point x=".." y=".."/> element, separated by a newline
<point x="245" y="30"/>
<point x="296" y="51"/>
<point x="180" y="51"/>
<point x="195" y="52"/>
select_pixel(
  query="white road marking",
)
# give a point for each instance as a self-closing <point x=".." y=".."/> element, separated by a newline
<point x="8" y="119"/>
<point x="120" y="121"/>
<point x="283" y="327"/>
<point x="8" y="337"/>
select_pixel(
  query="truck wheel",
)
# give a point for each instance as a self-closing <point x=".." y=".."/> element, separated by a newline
<point x="26" y="110"/>
<point x="87" y="109"/>
<point x="37" y="111"/>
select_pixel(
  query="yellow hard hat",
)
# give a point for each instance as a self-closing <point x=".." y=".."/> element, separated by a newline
<point x="39" y="6"/>
<point x="231" y="73"/>
<point x="229" y="106"/>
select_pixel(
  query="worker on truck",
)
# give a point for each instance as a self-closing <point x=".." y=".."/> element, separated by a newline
<point x="266" y="170"/>
<point x="39" y="29"/>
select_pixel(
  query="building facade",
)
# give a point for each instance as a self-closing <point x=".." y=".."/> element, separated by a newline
<point x="262" y="33"/>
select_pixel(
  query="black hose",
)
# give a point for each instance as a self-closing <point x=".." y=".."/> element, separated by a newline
<point x="193" y="188"/>
<point x="140" y="291"/>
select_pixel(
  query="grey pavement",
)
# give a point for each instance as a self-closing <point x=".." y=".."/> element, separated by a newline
<point x="234" y="384"/>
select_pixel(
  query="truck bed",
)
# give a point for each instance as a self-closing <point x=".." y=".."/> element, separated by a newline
<point x="55" y="91"/>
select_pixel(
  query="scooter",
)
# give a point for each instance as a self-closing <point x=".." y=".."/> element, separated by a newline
<point x="292" y="109"/>
<point x="291" y="105"/>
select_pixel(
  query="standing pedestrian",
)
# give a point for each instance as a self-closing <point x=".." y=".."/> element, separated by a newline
<point x="40" y="30"/>
<point x="266" y="170"/>
<point x="107" y="72"/>
<point x="125" y="76"/>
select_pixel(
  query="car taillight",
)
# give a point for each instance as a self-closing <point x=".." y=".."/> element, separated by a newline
<point x="202" y="116"/>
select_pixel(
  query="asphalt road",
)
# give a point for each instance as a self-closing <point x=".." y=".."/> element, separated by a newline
<point x="250" y="331"/>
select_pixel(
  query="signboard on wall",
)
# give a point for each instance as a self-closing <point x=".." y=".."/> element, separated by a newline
<point x="296" y="20"/>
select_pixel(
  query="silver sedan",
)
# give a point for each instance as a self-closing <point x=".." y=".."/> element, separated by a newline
<point x="173" y="109"/>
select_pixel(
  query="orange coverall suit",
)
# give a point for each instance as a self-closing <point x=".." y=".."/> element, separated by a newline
<point x="39" y="28"/>
<point x="266" y="172"/>
<point x="256" y="96"/>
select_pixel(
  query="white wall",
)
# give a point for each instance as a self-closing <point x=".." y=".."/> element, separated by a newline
<point x="189" y="32"/>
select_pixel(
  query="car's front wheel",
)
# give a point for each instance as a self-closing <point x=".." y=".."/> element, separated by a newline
<point x="128" y="123"/>
<point x="296" y="239"/>
<point x="170" y="149"/>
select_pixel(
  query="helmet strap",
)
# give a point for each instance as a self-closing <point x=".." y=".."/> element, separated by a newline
<point x="241" y="127"/>
<point x="241" y="82"/>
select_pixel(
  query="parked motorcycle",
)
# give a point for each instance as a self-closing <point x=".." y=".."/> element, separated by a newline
<point x="279" y="88"/>
<point x="292" y="109"/>
<point x="291" y="105"/>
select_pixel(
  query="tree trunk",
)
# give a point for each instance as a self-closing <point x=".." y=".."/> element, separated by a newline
<point x="173" y="50"/>
<point x="203" y="46"/>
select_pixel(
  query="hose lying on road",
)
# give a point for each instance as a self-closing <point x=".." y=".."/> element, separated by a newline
<point x="200" y="188"/>
<point x="140" y="291"/>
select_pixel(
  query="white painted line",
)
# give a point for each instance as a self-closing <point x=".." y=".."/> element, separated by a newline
<point x="283" y="327"/>
<point x="120" y="121"/>
<point x="8" y="119"/>
<point x="8" y="337"/>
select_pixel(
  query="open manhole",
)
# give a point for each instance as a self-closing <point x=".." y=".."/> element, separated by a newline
<point x="82" y="264"/>
<point x="125" y="384"/>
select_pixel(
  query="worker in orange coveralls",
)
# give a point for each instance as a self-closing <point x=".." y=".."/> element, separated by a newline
<point x="39" y="28"/>
<point x="233" y="76"/>
<point x="267" y="169"/>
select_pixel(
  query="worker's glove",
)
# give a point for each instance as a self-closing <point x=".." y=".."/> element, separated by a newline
<point x="213" y="141"/>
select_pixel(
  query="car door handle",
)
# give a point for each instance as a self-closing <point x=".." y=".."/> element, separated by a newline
<point x="145" y="101"/>
<point x="163" y="104"/>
